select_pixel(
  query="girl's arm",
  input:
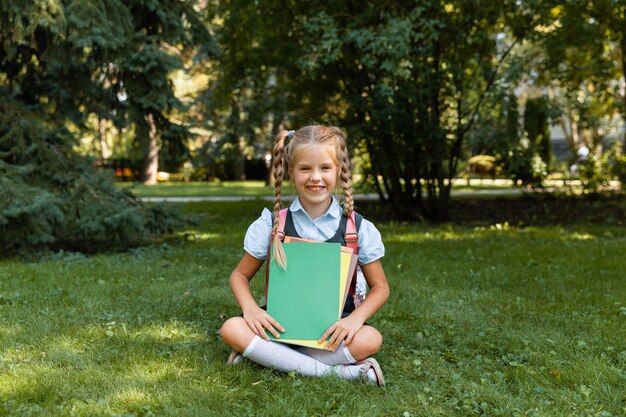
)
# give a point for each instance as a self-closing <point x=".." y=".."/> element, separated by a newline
<point x="257" y="319"/>
<point x="378" y="294"/>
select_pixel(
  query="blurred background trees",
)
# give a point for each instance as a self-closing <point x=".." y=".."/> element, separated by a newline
<point x="198" y="89"/>
<point x="78" y="67"/>
<point x="421" y="88"/>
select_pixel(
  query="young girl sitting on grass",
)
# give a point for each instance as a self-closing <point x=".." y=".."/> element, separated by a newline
<point x="316" y="159"/>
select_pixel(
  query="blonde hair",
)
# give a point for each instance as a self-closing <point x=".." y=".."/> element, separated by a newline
<point x="286" y="150"/>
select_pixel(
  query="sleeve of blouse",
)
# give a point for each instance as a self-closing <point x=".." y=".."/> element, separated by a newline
<point x="257" y="239"/>
<point x="371" y="245"/>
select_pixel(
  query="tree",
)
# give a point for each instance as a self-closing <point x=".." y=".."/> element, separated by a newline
<point x="251" y="96"/>
<point x="164" y="36"/>
<point x="610" y="15"/>
<point x="51" y="197"/>
<point x="115" y="60"/>
<point x="579" y="61"/>
<point x="59" y="63"/>
<point x="406" y="80"/>
<point x="536" y="125"/>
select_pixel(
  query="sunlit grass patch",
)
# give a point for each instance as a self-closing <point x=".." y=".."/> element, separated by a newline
<point x="203" y="189"/>
<point x="257" y="188"/>
<point x="192" y="235"/>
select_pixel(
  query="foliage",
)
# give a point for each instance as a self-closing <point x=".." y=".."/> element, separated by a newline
<point x="225" y="159"/>
<point x="525" y="165"/>
<point x="498" y="132"/>
<point x="536" y="126"/>
<point x="594" y="173"/>
<point x="61" y="65"/>
<point x="108" y="59"/>
<point x="496" y="128"/>
<point x="527" y="332"/>
<point x="597" y="171"/>
<point x="619" y="167"/>
<point x="579" y="62"/>
<point x="406" y="81"/>
<point x="51" y="197"/>
<point x="397" y="84"/>
<point x="250" y="97"/>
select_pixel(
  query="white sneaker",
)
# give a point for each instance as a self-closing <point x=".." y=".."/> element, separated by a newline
<point x="235" y="358"/>
<point x="371" y="372"/>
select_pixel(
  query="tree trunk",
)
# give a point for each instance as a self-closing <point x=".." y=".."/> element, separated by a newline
<point x="437" y="203"/>
<point x="623" y="44"/>
<point x="151" y="163"/>
<point x="238" y="164"/>
<point x="104" y="144"/>
<point x="571" y="134"/>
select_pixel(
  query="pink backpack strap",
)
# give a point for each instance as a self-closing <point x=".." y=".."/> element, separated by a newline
<point x="282" y="217"/>
<point x="352" y="237"/>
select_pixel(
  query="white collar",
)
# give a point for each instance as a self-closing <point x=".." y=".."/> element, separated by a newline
<point x="334" y="210"/>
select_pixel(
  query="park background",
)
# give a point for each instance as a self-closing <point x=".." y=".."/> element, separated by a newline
<point x="488" y="140"/>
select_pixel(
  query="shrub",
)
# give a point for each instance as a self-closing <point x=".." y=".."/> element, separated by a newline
<point x="596" y="172"/>
<point x="50" y="197"/>
<point x="524" y="165"/>
<point x="619" y="165"/>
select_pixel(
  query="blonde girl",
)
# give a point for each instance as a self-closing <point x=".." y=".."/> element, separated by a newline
<point x="316" y="161"/>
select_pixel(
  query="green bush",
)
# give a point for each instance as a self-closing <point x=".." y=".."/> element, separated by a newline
<point x="618" y="167"/>
<point x="596" y="172"/>
<point x="50" y="197"/>
<point x="524" y="165"/>
<point x="536" y="120"/>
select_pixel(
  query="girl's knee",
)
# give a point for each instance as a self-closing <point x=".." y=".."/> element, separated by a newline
<point x="366" y="342"/>
<point x="375" y="339"/>
<point x="236" y="333"/>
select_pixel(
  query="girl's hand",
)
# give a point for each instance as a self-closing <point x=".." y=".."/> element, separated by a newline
<point x="344" y="329"/>
<point x="258" y="320"/>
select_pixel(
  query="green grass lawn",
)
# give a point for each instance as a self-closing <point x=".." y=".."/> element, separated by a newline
<point x="259" y="189"/>
<point x="493" y="321"/>
<point x="203" y="189"/>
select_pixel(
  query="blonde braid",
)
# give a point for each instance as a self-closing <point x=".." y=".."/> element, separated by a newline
<point x="345" y="177"/>
<point x="279" y="173"/>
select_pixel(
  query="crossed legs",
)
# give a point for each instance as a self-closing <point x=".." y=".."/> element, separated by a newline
<point x="238" y="335"/>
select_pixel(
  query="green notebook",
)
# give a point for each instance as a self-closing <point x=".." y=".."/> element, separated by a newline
<point x="304" y="298"/>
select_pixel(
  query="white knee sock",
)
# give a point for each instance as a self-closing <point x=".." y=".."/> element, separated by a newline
<point x="283" y="358"/>
<point x="341" y="356"/>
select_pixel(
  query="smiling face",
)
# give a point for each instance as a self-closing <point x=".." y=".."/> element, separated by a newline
<point x="314" y="174"/>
